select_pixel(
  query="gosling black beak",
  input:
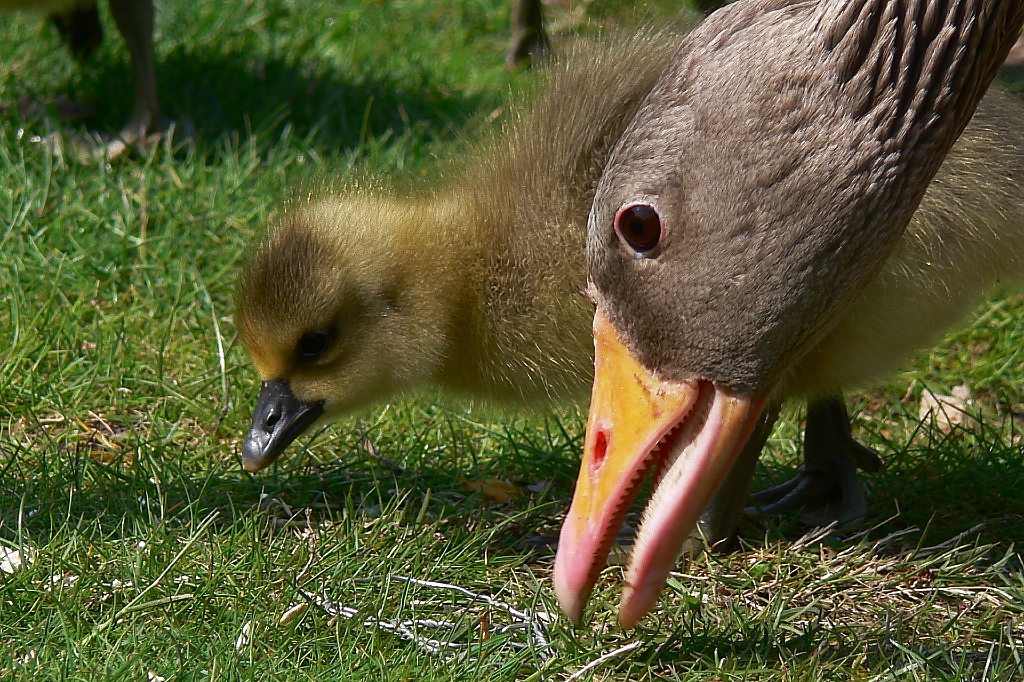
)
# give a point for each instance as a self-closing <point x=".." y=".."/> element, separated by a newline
<point x="279" y="418"/>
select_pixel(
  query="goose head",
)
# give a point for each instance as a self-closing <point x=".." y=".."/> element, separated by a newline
<point x="761" y="185"/>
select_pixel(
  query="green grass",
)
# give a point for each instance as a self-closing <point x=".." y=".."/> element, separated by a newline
<point x="146" y="551"/>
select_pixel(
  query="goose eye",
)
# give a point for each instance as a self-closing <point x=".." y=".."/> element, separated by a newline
<point x="312" y="344"/>
<point x="639" y="226"/>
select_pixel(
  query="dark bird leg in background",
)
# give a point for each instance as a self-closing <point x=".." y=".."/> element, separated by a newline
<point x="530" y="44"/>
<point x="827" y="487"/>
<point x="79" y="26"/>
<point x="134" y="19"/>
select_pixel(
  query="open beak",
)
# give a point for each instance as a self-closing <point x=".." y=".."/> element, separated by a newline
<point x="688" y="432"/>
<point x="279" y="418"/>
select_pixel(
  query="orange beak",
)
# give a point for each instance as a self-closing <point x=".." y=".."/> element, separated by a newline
<point x="690" y="432"/>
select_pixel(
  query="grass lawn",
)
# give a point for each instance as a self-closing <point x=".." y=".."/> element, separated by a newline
<point x="133" y="546"/>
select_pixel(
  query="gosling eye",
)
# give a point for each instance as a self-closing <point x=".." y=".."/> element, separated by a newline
<point x="313" y="344"/>
<point x="639" y="226"/>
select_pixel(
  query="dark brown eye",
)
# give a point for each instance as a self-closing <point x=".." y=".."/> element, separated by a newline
<point x="313" y="344"/>
<point x="639" y="226"/>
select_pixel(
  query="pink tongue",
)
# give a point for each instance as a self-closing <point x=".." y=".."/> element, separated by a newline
<point x="681" y="496"/>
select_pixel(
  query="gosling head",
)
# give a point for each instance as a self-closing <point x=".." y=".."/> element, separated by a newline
<point x="332" y="309"/>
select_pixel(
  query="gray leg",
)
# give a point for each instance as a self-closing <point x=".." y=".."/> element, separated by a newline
<point x="718" y="522"/>
<point x="79" y="26"/>
<point x="827" y="488"/>
<point x="134" y="19"/>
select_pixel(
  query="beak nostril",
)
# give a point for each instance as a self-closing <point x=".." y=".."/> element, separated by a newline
<point x="599" y="452"/>
<point x="273" y="416"/>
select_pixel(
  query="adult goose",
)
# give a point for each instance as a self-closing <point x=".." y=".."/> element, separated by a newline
<point x="465" y="254"/>
<point x="749" y="242"/>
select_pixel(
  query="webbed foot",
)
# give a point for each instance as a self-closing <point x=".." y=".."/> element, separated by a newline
<point x="827" y="488"/>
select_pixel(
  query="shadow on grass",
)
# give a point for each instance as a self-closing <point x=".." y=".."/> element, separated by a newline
<point x="957" y="483"/>
<point x="935" y="497"/>
<point x="697" y="647"/>
<point x="228" y="94"/>
<point x="146" y="484"/>
<point x="226" y="97"/>
<point x="965" y="481"/>
<point x="816" y="647"/>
